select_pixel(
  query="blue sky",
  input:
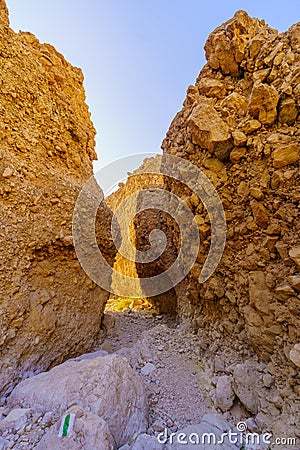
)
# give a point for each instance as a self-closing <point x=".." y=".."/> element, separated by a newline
<point x="138" y="56"/>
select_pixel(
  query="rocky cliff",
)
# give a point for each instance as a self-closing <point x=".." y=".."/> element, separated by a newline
<point x="50" y="309"/>
<point x="239" y="125"/>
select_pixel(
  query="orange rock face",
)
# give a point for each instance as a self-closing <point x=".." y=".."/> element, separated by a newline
<point x="49" y="308"/>
<point x="240" y="125"/>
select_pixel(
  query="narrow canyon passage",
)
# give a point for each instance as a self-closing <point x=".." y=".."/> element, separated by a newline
<point x="178" y="345"/>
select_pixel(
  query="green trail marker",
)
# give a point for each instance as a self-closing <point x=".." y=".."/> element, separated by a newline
<point x="66" y="426"/>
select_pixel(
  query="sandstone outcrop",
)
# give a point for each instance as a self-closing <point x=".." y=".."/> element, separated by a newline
<point x="50" y="310"/>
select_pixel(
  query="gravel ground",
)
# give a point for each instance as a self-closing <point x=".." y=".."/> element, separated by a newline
<point x="176" y="378"/>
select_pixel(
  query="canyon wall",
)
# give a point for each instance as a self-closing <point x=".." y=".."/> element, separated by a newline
<point x="50" y="309"/>
<point x="142" y="217"/>
<point x="240" y="126"/>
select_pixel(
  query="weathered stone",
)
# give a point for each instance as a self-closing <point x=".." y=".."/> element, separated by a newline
<point x="258" y="290"/>
<point x="236" y="103"/>
<point x="295" y="355"/>
<point x="194" y="200"/>
<point x="285" y="155"/>
<point x="106" y="386"/>
<point x="256" y="193"/>
<point x="239" y="138"/>
<point x="268" y="380"/>
<point x="237" y="154"/>
<point x="108" y="323"/>
<point x="89" y="432"/>
<point x="295" y="282"/>
<point x="282" y="249"/>
<point x="224" y="393"/>
<point x="212" y="88"/>
<point x="16" y="419"/>
<point x="263" y="103"/>
<point x="209" y="131"/>
<point x="146" y="442"/>
<point x="250" y="126"/>
<point x="284" y="291"/>
<point x="148" y="369"/>
<point x="8" y="172"/>
<point x="192" y="95"/>
<point x="213" y="164"/>
<point x="244" y="383"/>
<point x="260" y="214"/>
<point x="273" y="229"/>
<point x="294" y="254"/>
<point x="288" y="111"/>
<point x="255" y="45"/>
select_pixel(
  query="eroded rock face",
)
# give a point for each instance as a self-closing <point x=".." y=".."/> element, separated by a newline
<point x="49" y="308"/>
<point x="239" y="125"/>
<point x="251" y="81"/>
<point x="147" y="176"/>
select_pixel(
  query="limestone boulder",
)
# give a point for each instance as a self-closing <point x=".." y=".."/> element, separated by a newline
<point x="89" y="432"/>
<point x="263" y="103"/>
<point x="244" y="385"/>
<point x="106" y="386"/>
